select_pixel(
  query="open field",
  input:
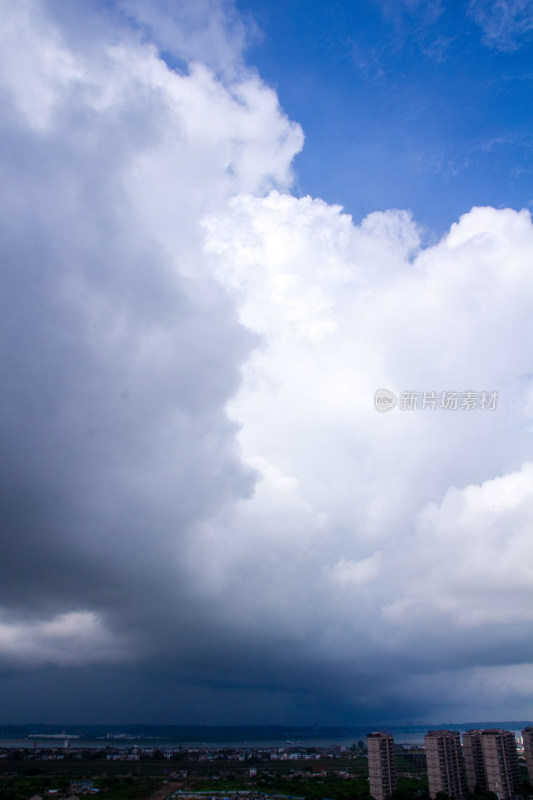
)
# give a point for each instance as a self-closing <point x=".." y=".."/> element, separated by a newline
<point x="150" y="779"/>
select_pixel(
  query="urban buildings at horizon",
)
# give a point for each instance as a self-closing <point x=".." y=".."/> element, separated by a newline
<point x="487" y="759"/>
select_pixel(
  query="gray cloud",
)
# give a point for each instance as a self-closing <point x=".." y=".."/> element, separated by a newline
<point x="118" y="353"/>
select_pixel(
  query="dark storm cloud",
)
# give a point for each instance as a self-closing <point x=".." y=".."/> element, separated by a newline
<point x="116" y="365"/>
<point x="115" y="380"/>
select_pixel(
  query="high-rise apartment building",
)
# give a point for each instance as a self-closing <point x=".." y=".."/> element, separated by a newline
<point x="491" y="761"/>
<point x="501" y="762"/>
<point x="527" y="737"/>
<point x="476" y="778"/>
<point x="381" y="765"/>
<point x="444" y="758"/>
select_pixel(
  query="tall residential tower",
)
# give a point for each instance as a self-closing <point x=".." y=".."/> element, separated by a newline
<point x="491" y="761"/>
<point x="527" y="737"/>
<point x="381" y="765"/>
<point x="476" y="778"/>
<point x="444" y="758"/>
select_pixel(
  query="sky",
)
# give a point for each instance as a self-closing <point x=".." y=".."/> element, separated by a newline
<point x="224" y="227"/>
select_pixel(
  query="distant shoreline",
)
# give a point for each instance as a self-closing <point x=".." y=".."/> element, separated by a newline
<point x="100" y="737"/>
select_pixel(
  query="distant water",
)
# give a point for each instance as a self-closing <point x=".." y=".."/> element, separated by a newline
<point x="413" y="737"/>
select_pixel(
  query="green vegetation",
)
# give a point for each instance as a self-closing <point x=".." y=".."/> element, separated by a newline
<point x="127" y="788"/>
<point x="20" y="788"/>
<point x="110" y="788"/>
<point x="333" y="787"/>
<point x="138" y="780"/>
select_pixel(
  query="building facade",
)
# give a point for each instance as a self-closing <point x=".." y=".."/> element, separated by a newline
<point x="444" y="758"/>
<point x="527" y="738"/>
<point x="501" y="762"/>
<point x="381" y="765"/>
<point x="476" y="778"/>
<point x="497" y="767"/>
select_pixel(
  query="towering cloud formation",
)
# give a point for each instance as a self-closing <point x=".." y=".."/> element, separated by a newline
<point x="120" y="350"/>
<point x="196" y="487"/>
